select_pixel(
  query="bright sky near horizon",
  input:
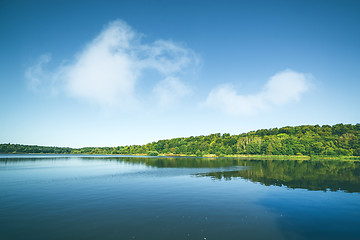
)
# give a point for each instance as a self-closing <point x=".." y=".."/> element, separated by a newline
<point x="109" y="73"/>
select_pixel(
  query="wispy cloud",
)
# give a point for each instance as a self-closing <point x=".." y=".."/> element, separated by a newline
<point x="282" y="88"/>
<point x="35" y="74"/>
<point x="107" y="70"/>
<point x="170" y="90"/>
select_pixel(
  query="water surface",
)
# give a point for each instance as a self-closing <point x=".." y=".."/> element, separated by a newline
<point x="102" y="197"/>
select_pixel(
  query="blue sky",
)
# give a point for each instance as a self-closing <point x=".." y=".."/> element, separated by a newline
<point x="109" y="73"/>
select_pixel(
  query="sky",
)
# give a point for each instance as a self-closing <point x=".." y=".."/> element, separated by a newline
<point x="112" y="73"/>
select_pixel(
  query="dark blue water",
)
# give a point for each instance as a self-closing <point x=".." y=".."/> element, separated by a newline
<point x="77" y="197"/>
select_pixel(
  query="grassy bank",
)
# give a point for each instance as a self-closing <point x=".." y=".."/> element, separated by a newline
<point x="268" y="157"/>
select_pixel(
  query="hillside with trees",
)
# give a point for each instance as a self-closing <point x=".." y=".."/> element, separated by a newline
<point x="337" y="140"/>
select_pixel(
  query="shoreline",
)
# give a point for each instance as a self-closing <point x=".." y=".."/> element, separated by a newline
<point x="212" y="156"/>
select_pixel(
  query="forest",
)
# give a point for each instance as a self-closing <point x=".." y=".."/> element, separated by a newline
<point x="306" y="140"/>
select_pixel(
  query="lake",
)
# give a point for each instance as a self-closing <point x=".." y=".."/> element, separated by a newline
<point x="119" y="197"/>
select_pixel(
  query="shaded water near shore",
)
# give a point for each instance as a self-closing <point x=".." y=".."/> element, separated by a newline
<point x="102" y="197"/>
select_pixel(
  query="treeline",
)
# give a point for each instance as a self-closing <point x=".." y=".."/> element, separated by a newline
<point x="337" y="140"/>
<point x="18" y="148"/>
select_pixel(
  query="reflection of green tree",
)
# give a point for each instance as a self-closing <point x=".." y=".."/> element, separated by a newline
<point x="160" y="162"/>
<point x="180" y="162"/>
<point x="311" y="175"/>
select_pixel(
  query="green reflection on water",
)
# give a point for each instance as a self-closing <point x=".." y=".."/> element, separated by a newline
<point x="312" y="175"/>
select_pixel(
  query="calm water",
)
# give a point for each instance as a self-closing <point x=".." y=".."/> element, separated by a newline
<point x="86" y="197"/>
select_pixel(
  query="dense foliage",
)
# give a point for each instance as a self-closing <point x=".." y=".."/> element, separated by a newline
<point x="337" y="140"/>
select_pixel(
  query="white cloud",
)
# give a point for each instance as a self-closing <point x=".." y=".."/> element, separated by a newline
<point x="170" y="90"/>
<point x="286" y="86"/>
<point x="107" y="70"/>
<point x="282" y="88"/>
<point x="167" y="57"/>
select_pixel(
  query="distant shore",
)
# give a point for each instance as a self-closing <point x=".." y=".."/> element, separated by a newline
<point x="212" y="156"/>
